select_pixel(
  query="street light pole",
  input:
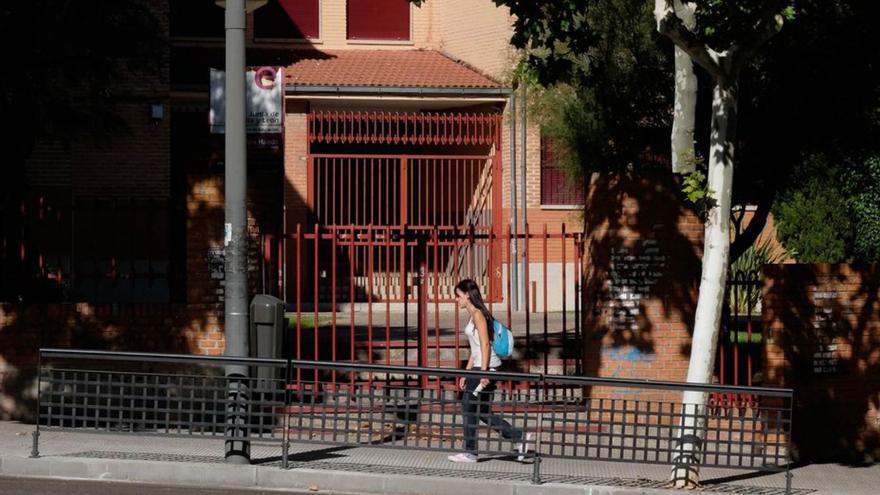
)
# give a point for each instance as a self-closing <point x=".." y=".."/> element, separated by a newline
<point x="235" y="321"/>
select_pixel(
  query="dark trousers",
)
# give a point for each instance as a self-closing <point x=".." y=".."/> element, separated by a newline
<point x="474" y="408"/>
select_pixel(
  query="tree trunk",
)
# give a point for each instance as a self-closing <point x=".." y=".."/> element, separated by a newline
<point x="685" y="471"/>
<point x="683" y="156"/>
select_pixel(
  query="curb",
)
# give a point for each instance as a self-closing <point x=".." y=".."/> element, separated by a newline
<point x="226" y="476"/>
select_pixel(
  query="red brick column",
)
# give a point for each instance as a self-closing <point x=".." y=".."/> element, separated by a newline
<point x="642" y="265"/>
<point x="823" y="340"/>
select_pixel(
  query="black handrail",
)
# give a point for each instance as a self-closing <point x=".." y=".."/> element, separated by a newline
<point x="449" y="372"/>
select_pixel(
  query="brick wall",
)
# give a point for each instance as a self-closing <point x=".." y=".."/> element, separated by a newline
<point x="823" y="340"/>
<point x="537" y="215"/>
<point x="204" y="232"/>
<point x="134" y="162"/>
<point x="642" y="264"/>
<point x="171" y="328"/>
<point x="132" y="165"/>
<point x="296" y="148"/>
<point x="476" y="32"/>
<point x="194" y="327"/>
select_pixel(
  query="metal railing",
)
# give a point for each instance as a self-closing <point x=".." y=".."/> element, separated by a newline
<point x="350" y="404"/>
<point x="416" y="269"/>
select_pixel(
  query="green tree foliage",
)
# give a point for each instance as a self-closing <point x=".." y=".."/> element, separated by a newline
<point x="812" y="217"/>
<point x="862" y="185"/>
<point x="604" y="96"/>
<point x="830" y="211"/>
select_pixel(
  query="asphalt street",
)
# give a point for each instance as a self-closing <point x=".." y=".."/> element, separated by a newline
<point x="42" y="486"/>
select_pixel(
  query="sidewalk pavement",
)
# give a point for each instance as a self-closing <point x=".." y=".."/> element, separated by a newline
<point x="364" y="470"/>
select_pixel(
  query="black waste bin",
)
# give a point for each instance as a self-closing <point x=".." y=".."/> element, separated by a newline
<point x="267" y="333"/>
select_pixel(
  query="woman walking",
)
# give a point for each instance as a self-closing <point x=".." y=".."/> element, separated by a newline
<point x="476" y="392"/>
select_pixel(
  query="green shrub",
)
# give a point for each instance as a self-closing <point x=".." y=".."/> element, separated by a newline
<point x="812" y="216"/>
<point x="862" y="181"/>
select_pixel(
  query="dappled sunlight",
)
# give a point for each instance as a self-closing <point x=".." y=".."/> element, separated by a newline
<point x="824" y="332"/>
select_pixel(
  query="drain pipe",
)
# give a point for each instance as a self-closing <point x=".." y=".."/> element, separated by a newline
<point x="513" y="270"/>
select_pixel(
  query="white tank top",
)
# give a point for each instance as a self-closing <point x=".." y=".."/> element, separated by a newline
<point x="476" y="351"/>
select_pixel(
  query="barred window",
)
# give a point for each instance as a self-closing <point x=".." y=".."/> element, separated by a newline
<point x="557" y="186"/>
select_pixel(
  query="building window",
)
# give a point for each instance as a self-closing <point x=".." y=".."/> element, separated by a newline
<point x="288" y="19"/>
<point x="196" y="19"/>
<point x="378" y="20"/>
<point x="557" y="187"/>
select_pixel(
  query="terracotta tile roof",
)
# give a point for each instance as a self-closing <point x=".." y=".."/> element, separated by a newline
<point x="397" y="68"/>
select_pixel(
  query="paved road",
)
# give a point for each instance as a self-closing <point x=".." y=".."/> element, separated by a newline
<point x="40" y="486"/>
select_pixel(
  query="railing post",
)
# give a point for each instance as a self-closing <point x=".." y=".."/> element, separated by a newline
<point x="536" y="464"/>
<point x="788" y="444"/>
<point x="285" y="434"/>
<point x="536" y="469"/>
<point x="788" y="477"/>
<point x="35" y="448"/>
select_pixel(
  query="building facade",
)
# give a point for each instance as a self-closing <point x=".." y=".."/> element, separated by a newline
<point x="390" y="181"/>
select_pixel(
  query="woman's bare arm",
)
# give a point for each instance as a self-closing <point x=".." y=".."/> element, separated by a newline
<point x="483" y="329"/>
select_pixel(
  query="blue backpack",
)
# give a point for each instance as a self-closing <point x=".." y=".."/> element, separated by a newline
<point x="503" y="340"/>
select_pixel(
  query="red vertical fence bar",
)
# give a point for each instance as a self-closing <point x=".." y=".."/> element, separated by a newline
<point x="351" y="317"/>
<point x="280" y="272"/>
<point x="423" y="318"/>
<point x="456" y="243"/>
<point x="472" y="273"/>
<point x="563" y="241"/>
<point x="333" y="326"/>
<point x="369" y="301"/>
<point x="299" y="238"/>
<point x="544" y="265"/>
<point x="316" y="280"/>
<point x="736" y="301"/>
<point x="578" y="302"/>
<point x="436" y="245"/>
<point x="509" y="279"/>
<point x="387" y="243"/>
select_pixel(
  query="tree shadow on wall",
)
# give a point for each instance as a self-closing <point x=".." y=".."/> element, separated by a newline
<point x="39" y="312"/>
<point x="825" y="324"/>
<point x="642" y="249"/>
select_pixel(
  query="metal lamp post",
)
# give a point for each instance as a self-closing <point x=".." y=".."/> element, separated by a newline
<point x="235" y="319"/>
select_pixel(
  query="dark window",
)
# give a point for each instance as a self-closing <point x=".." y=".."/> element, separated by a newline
<point x="196" y="19"/>
<point x="557" y="186"/>
<point x="378" y="19"/>
<point x="191" y="66"/>
<point x="288" y="19"/>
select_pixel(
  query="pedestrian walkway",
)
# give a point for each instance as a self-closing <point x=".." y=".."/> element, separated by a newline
<point x="374" y="470"/>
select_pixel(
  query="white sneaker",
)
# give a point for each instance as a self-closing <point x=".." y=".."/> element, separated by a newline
<point x="463" y="457"/>
<point x="523" y="447"/>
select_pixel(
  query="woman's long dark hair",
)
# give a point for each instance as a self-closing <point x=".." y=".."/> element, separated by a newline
<point x="469" y="287"/>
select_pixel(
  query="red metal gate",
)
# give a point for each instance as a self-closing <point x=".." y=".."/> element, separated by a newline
<point x="741" y="340"/>
<point x="355" y="191"/>
<point x="361" y="197"/>
<point x="424" y="329"/>
<point x="404" y="205"/>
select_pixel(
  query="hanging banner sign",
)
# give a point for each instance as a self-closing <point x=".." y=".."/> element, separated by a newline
<point x="264" y="110"/>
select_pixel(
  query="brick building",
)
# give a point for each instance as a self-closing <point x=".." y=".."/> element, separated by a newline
<point x="382" y="100"/>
